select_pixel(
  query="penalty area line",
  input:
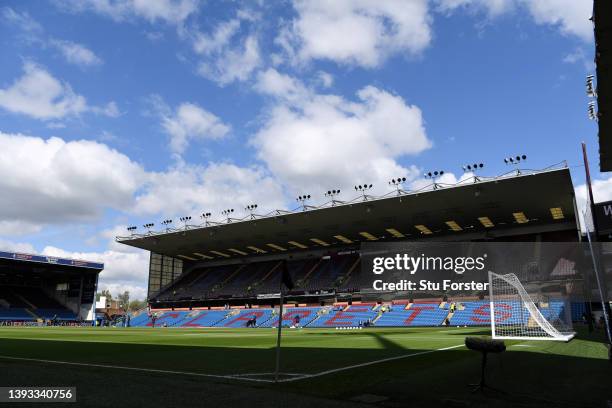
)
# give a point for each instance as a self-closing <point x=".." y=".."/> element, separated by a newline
<point x="147" y="370"/>
<point x="369" y="363"/>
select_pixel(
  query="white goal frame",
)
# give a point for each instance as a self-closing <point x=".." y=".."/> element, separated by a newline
<point x="537" y="327"/>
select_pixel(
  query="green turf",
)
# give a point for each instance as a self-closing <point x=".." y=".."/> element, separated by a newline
<point x="532" y="374"/>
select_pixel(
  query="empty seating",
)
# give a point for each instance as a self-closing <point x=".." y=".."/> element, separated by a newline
<point x="204" y="318"/>
<point x="28" y="303"/>
<point x="238" y="280"/>
<point x="419" y="314"/>
<point x="353" y="316"/>
<point x="15" y="313"/>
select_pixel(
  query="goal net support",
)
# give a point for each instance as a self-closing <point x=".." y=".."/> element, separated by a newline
<point x="515" y="315"/>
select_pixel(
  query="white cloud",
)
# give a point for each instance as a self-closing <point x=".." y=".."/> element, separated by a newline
<point x="325" y="141"/>
<point x="232" y="63"/>
<point x="325" y="79"/>
<point x="18" y="227"/>
<point x="273" y="83"/>
<point x="54" y="181"/>
<point x="23" y="21"/>
<point x="219" y="39"/>
<point x="578" y="56"/>
<point x="230" y="52"/>
<point x="492" y="7"/>
<point x="11" y="246"/>
<point x="571" y="17"/>
<point x="110" y="109"/>
<point x="76" y="54"/>
<point x="187" y="123"/>
<point x="359" y="32"/>
<point x="154" y="36"/>
<point x="168" y="11"/>
<point x="56" y="125"/>
<point x="192" y="190"/>
<point x="40" y="95"/>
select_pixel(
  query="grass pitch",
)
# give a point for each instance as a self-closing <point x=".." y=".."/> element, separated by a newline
<point x="231" y="367"/>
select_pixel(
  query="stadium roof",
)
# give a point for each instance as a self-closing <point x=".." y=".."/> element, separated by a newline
<point x="602" y="17"/>
<point x="473" y="208"/>
<point x="49" y="260"/>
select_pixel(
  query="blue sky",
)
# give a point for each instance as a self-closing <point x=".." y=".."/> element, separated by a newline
<point x="120" y="112"/>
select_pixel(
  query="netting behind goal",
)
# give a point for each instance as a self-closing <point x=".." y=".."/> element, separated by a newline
<point x="516" y="315"/>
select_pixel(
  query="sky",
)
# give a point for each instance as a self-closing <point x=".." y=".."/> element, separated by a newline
<point x="123" y="112"/>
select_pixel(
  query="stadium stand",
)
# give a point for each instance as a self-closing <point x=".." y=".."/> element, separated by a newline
<point x="227" y="272"/>
<point x="421" y="314"/>
<point x="39" y="288"/>
<point x="27" y="303"/>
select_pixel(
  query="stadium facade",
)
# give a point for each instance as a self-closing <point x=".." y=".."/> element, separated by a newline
<point x="39" y="288"/>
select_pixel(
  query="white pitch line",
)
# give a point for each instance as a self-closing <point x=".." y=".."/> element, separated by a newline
<point x="242" y="377"/>
<point x="384" y="360"/>
<point x="149" y="370"/>
<point x="261" y="374"/>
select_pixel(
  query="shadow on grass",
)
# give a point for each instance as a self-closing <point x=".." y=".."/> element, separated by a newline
<point x="547" y="374"/>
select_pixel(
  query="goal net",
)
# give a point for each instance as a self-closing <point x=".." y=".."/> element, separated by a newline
<point x="516" y="315"/>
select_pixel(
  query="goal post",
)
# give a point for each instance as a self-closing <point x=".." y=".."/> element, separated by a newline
<point x="515" y="315"/>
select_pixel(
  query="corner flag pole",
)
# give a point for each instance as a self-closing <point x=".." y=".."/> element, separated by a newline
<point x="278" y="338"/>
